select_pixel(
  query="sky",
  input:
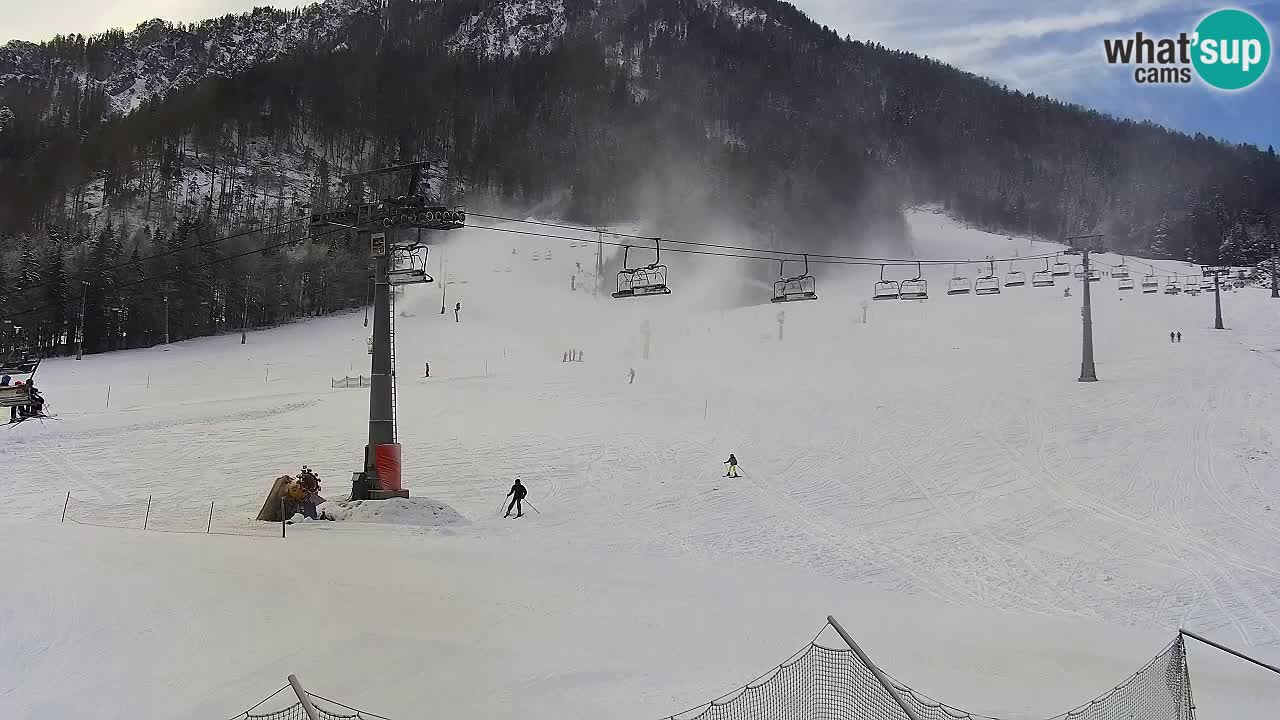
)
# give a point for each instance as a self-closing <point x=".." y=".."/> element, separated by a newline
<point x="1049" y="47"/>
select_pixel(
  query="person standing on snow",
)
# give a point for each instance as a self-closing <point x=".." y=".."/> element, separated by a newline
<point x="456" y="308"/>
<point x="1171" y="337"/>
<point x="517" y="494"/>
<point x="633" y="377"/>
<point x="733" y="466"/>
<point x="1179" y="337"/>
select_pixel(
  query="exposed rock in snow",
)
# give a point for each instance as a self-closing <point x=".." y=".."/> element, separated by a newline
<point x="511" y="27"/>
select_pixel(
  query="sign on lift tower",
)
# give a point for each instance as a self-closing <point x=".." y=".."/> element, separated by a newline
<point x="380" y="222"/>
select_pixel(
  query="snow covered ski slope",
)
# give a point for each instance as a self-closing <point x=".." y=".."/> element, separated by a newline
<point x="993" y="532"/>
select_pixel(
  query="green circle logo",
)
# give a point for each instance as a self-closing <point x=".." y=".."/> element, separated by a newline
<point x="1232" y="49"/>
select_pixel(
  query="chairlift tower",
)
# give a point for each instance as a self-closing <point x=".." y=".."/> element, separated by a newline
<point x="377" y="222"/>
<point x="1086" y="243"/>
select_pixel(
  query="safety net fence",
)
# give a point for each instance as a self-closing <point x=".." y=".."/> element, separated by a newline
<point x="840" y="683"/>
<point x="166" y="515"/>
<point x="323" y="708"/>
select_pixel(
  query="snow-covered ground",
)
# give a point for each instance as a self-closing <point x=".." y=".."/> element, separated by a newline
<point x="996" y="534"/>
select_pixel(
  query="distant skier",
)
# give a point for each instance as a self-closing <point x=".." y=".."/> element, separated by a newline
<point x="566" y="357"/>
<point x="632" y="375"/>
<point x="456" y="308"/>
<point x="428" y="370"/>
<point x="1179" y="337"/>
<point x="733" y="466"/>
<point x="1066" y="292"/>
<point x="1171" y="337"/>
<point x="517" y="494"/>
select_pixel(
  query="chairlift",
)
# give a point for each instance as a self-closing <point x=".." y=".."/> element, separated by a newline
<point x="800" y="287"/>
<point x="1192" y="289"/>
<point x="1094" y="275"/>
<point x="1014" y="278"/>
<point x="1150" y="284"/>
<point x="1061" y="269"/>
<point x="1124" y="283"/>
<point x="1121" y="272"/>
<point x="958" y="285"/>
<point x="1043" y="278"/>
<point x="916" y="288"/>
<point x="886" y="289"/>
<point x="405" y="268"/>
<point x="1206" y="284"/>
<point x="18" y="395"/>
<point x="648" y="280"/>
<point x="1173" y="287"/>
<point x="988" y="284"/>
<point x="1079" y="273"/>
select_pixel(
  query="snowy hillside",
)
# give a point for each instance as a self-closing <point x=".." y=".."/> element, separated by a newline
<point x="994" y="532"/>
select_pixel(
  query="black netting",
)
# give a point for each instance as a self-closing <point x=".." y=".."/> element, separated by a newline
<point x="296" y="712"/>
<point x="823" y="683"/>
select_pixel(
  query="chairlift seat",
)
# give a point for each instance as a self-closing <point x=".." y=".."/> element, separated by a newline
<point x="959" y="286"/>
<point x="638" y="282"/>
<point x="803" y="287"/>
<point x="1042" y="279"/>
<point x="914" y="289"/>
<point x="886" y="290"/>
<point x="1125" y="284"/>
<point x="1061" y="269"/>
<point x="987" y="286"/>
<point x="1015" y="278"/>
<point x="408" y="276"/>
<point x="1120" y="273"/>
<point x="15" y="395"/>
<point x="1094" y="275"/>
<point x="20" y="366"/>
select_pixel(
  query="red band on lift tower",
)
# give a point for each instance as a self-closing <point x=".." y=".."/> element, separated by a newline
<point x="387" y="459"/>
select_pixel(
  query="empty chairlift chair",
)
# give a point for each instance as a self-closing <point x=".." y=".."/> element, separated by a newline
<point x="1150" y="284"/>
<point x="790" y="289"/>
<point x="638" y="282"/>
<point x="1061" y="269"/>
<point x="1124" y="283"/>
<point x="1095" y="274"/>
<point x="958" y="285"/>
<point x="1120" y="272"/>
<point x="405" y="268"/>
<point x="916" y="288"/>
<point x="1015" y="277"/>
<point x="1079" y="273"/>
<point x="885" y="289"/>
<point x="988" y="284"/>
<point x="1042" y="278"/>
<point x="1173" y="287"/>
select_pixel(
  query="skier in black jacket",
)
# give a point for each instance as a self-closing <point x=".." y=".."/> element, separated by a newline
<point x="516" y="494"/>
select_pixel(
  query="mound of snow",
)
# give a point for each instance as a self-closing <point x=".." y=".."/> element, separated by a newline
<point x="416" y="512"/>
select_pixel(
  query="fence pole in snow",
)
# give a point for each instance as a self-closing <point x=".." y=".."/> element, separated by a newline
<point x="282" y="524"/>
<point x="65" y="503"/>
<point x="1228" y="650"/>
<point x="884" y="681"/>
<point x="303" y="698"/>
<point x="108" y="397"/>
<point x="210" y="528"/>
<point x="147" y="518"/>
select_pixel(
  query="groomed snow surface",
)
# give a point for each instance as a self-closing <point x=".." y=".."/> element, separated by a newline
<point x="994" y="534"/>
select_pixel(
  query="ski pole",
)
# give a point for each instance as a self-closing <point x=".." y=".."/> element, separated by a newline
<point x="531" y="507"/>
